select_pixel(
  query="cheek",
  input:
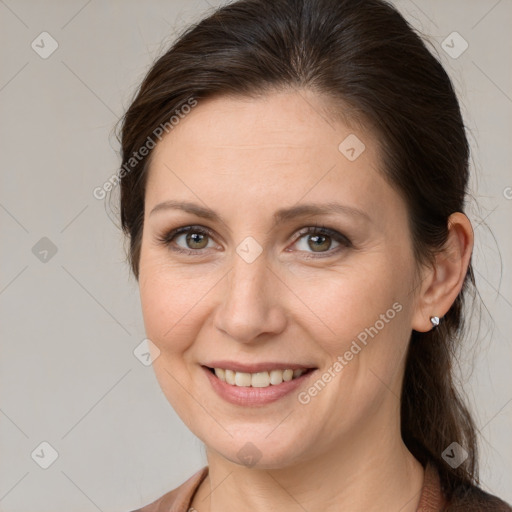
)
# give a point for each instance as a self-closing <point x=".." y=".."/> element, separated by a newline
<point x="368" y="315"/>
<point x="357" y="303"/>
<point x="170" y="300"/>
<point x="170" y="308"/>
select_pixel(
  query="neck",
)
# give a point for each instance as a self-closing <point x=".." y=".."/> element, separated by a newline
<point x="368" y="473"/>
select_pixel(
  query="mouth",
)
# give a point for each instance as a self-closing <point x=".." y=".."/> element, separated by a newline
<point x="260" y="379"/>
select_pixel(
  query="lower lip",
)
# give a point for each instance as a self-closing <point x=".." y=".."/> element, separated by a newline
<point x="249" y="396"/>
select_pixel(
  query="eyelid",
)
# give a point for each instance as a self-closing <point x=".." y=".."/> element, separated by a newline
<point x="168" y="237"/>
<point x="323" y="230"/>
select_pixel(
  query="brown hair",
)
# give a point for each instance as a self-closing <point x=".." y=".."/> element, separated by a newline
<point x="363" y="54"/>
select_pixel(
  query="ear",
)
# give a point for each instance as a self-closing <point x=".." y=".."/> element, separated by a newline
<point x="441" y="283"/>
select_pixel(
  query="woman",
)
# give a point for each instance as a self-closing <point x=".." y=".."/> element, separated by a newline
<point x="293" y="183"/>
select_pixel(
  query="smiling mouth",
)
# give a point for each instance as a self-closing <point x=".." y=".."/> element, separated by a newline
<point x="259" y="379"/>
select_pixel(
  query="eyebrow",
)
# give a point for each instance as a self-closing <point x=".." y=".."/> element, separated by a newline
<point x="282" y="215"/>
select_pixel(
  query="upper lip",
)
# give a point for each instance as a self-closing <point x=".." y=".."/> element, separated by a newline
<point x="257" y="367"/>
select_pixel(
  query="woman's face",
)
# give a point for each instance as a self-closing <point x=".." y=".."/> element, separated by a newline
<point x="249" y="285"/>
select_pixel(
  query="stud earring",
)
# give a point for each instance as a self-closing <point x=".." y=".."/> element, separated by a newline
<point x="435" y="321"/>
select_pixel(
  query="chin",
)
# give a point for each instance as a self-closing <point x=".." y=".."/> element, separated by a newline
<point x="259" y="451"/>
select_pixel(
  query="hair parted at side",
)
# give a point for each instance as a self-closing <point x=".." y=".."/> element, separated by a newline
<point x="364" y="55"/>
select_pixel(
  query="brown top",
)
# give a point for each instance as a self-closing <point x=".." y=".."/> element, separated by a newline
<point x="431" y="499"/>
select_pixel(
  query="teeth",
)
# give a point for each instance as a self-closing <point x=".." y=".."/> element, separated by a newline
<point x="221" y="374"/>
<point x="243" y="379"/>
<point x="230" y="376"/>
<point x="276" y="377"/>
<point x="259" y="379"/>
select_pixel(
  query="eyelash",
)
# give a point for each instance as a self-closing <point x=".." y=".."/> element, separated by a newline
<point x="344" y="242"/>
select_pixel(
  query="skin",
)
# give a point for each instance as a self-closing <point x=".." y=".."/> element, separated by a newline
<point x="246" y="158"/>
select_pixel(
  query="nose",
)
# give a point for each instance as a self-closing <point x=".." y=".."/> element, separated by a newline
<point x="250" y="308"/>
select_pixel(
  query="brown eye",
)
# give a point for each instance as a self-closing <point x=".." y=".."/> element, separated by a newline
<point x="320" y="240"/>
<point x="319" y="243"/>
<point x="187" y="239"/>
<point x="196" y="240"/>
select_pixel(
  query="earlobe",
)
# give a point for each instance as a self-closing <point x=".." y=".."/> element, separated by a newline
<point x="435" y="321"/>
<point x="443" y="281"/>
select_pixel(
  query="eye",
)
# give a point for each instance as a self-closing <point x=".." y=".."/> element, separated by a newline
<point x="191" y="239"/>
<point x="319" y="240"/>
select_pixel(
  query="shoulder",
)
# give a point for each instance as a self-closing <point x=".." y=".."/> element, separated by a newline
<point x="465" y="498"/>
<point x="177" y="500"/>
<point x="474" y="499"/>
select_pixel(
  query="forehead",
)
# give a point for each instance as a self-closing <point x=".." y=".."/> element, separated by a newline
<point x="299" y="120"/>
<point x="279" y="148"/>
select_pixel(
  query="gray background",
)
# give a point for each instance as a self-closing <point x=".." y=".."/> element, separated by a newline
<point x="71" y="320"/>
